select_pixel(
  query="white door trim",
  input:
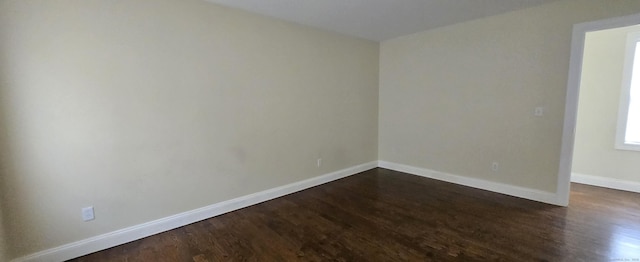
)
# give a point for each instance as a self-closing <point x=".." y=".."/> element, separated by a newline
<point x="573" y="90"/>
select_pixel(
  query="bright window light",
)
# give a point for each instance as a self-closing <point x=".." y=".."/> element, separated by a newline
<point x="632" y="133"/>
<point x="628" y="132"/>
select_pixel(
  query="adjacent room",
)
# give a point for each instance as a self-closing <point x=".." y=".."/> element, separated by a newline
<point x="287" y="130"/>
<point x="606" y="154"/>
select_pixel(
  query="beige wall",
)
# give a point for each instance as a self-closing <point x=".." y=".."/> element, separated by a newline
<point x="594" y="152"/>
<point x="457" y="98"/>
<point x="3" y="243"/>
<point x="3" y="236"/>
<point x="149" y="108"/>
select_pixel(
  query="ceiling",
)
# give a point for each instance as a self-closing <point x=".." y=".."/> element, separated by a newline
<point x="379" y="20"/>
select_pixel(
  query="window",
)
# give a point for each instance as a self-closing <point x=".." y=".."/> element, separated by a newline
<point x="628" y="132"/>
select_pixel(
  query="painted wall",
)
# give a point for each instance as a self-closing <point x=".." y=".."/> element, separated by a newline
<point x="3" y="243"/>
<point x="3" y="237"/>
<point x="601" y="83"/>
<point x="457" y="98"/>
<point x="149" y="108"/>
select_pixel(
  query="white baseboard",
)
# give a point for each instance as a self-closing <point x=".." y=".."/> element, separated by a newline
<point x="133" y="233"/>
<point x="526" y="193"/>
<point x="612" y="183"/>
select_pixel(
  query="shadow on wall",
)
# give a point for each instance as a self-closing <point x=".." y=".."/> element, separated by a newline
<point x="9" y="147"/>
<point x="5" y="161"/>
<point x="3" y="244"/>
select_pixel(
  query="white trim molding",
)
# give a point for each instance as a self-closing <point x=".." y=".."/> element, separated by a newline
<point x="511" y="190"/>
<point x="115" y="238"/>
<point x="607" y="182"/>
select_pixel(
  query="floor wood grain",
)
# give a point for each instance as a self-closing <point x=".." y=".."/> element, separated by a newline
<point x="383" y="215"/>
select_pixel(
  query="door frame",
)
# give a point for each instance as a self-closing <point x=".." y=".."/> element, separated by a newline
<point x="573" y="91"/>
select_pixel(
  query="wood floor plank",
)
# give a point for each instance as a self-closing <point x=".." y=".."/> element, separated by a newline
<point x="383" y="215"/>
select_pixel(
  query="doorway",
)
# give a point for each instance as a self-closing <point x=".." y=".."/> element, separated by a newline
<point x="580" y="32"/>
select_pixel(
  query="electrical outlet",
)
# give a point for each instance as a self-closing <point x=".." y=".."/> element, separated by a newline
<point x="494" y="166"/>
<point x="88" y="214"/>
<point x="319" y="162"/>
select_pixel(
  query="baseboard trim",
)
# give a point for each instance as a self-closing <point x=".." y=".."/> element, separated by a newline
<point x="521" y="192"/>
<point x="612" y="183"/>
<point x="133" y="233"/>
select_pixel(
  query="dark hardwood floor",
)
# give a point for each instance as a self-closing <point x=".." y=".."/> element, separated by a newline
<point x="383" y="215"/>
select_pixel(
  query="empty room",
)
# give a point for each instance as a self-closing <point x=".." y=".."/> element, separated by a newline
<point x="299" y="130"/>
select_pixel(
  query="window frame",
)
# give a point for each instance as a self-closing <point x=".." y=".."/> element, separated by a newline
<point x="632" y="45"/>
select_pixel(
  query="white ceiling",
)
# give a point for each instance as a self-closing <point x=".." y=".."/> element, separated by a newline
<point x="379" y="20"/>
